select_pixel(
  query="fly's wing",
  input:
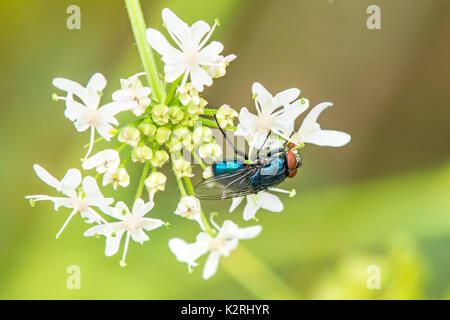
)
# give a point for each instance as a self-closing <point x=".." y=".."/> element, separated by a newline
<point x="228" y="185"/>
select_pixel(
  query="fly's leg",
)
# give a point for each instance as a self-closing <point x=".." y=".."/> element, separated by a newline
<point x="239" y="153"/>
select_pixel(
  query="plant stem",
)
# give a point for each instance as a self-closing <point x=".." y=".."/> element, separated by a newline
<point x="145" y="52"/>
<point x="212" y="123"/>
<point x="142" y="180"/>
<point x="179" y="182"/>
<point x="172" y="90"/>
<point x="189" y="187"/>
<point x="198" y="159"/>
<point x="209" y="112"/>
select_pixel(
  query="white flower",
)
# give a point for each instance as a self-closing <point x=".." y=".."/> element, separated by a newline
<point x="310" y="131"/>
<point x="189" y="207"/>
<point x="104" y="161"/>
<point x="88" y="114"/>
<point x="257" y="201"/>
<point x="192" y="55"/>
<point x="82" y="201"/>
<point x="275" y="114"/>
<point x="118" y="178"/>
<point x="226" y="240"/>
<point x="133" y="90"/>
<point x="133" y="223"/>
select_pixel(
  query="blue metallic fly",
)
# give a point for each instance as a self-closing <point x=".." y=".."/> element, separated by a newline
<point x="234" y="178"/>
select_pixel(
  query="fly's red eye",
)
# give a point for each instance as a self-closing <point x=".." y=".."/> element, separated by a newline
<point x="292" y="173"/>
<point x="291" y="160"/>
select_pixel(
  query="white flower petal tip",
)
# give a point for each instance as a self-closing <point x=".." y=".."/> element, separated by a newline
<point x="311" y="132"/>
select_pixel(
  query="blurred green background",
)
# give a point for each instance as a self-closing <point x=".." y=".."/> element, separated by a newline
<point x="382" y="200"/>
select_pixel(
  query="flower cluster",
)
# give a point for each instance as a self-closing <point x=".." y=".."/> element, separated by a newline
<point x="164" y="129"/>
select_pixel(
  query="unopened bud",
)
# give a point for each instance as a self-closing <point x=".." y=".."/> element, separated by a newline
<point x="141" y="153"/>
<point x="162" y="135"/>
<point x="129" y="135"/>
<point x="160" y="157"/>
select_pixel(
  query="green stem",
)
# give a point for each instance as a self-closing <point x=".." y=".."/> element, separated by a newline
<point x="199" y="160"/>
<point x="142" y="180"/>
<point x="172" y="90"/>
<point x="189" y="187"/>
<point x="145" y="52"/>
<point x="256" y="276"/>
<point x="212" y="123"/>
<point x="209" y="112"/>
<point x="179" y="182"/>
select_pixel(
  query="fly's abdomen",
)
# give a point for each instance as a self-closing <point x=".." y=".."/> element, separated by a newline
<point x="226" y="166"/>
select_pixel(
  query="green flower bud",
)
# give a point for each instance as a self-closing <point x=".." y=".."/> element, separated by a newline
<point x="162" y="135"/>
<point x="181" y="131"/>
<point x="194" y="110"/>
<point x="176" y="115"/>
<point x="210" y="150"/>
<point x="155" y="182"/>
<point x="182" y="168"/>
<point x="174" y="143"/>
<point x="188" y="95"/>
<point x="160" y="157"/>
<point x="141" y="153"/>
<point x="202" y="134"/>
<point x="129" y="135"/>
<point x="225" y="115"/>
<point x="187" y="142"/>
<point x="147" y="129"/>
<point x="160" y="114"/>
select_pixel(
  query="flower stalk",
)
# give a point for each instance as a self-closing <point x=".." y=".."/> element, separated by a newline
<point x="145" y="52"/>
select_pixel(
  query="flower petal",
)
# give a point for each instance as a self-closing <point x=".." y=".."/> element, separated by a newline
<point x="139" y="235"/>
<point x="122" y="95"/>
<point x="160" y="44"/>
<point x="198" y="31"/>
<point x="70" y="87"/>
<point x="211" y="265"/>
<point x="263" y="97"/>
<point x="177" y="26"/>
<point x="151" y="224"/>
<point x="113" y="242"/>
<point x="173" y="71"/>
<point x="140" y="208"/>
<point x="97" y="82"/>
<point x="70" y="182"/>
<point x="249" y="232"/>
<point x="209" y="53"/>
<point x="46" y="177"/>
<point x="250" y="210"/>
<point x="285" y="97"/>
<point x="199" y="78"/>
<point x="270" y="202"/>
<point x="328" y="138"/>
<point x="74" y="109"/>
<point x="235" y="202"/>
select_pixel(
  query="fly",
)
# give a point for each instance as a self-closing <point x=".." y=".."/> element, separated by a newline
<point x="234" y="178"/>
